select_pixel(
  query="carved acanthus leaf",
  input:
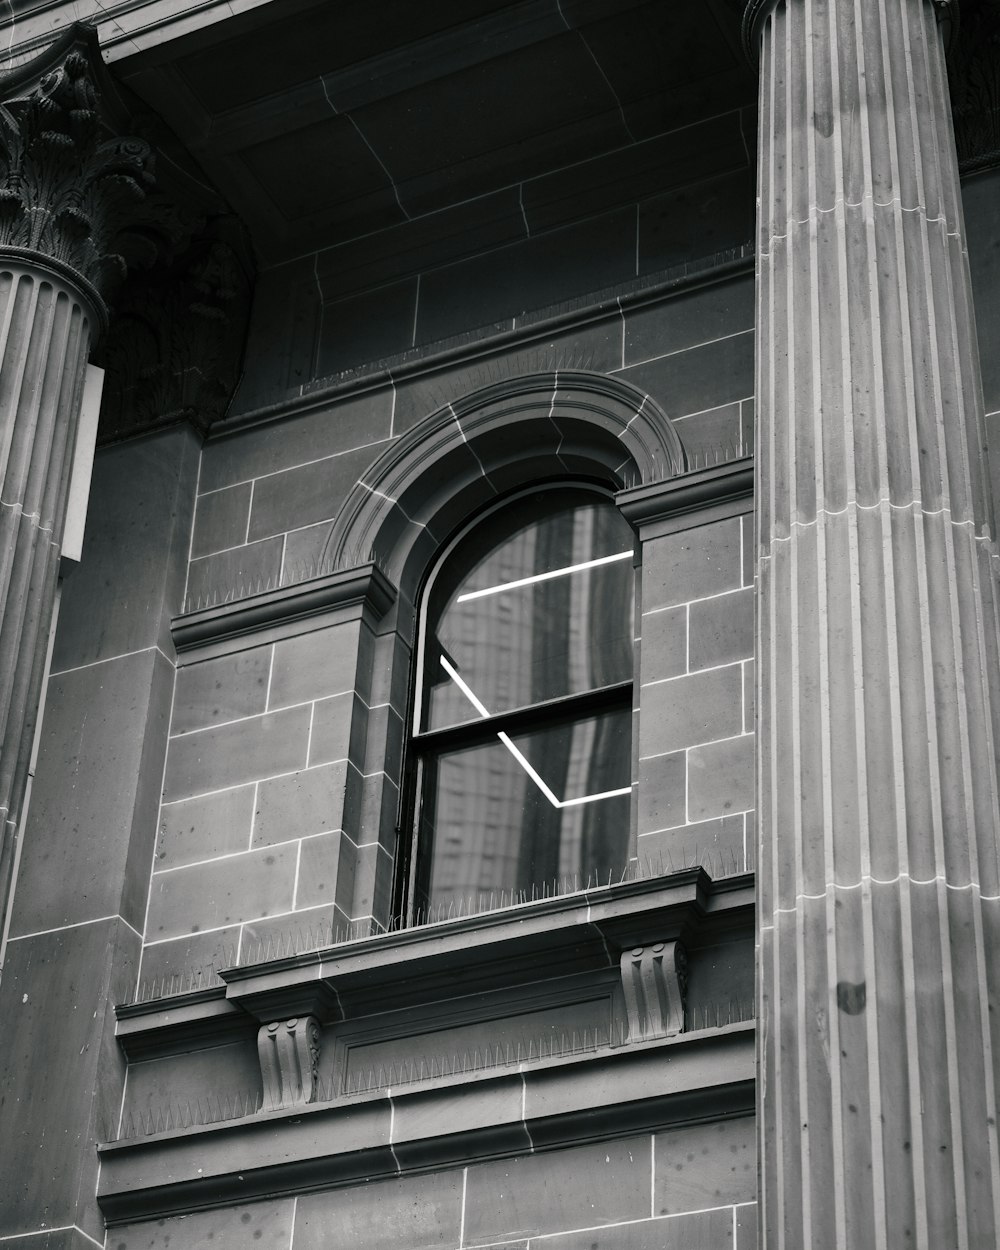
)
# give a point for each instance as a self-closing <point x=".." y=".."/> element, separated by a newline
<point x="68" y="188"/>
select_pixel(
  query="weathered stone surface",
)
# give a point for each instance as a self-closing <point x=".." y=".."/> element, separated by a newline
<point x="878" y="678"/>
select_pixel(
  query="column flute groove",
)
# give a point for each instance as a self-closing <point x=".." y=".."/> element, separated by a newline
<point x="878" y="676"/>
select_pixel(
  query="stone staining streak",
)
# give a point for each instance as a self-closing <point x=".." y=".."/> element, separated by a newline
<point x="289" y="1057"/>
<point x="877" y="623"/>
<point x="654" y="979"/>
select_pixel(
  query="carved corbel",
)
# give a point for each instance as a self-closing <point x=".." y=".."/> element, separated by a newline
<point x="289" y="1061"/>
<point x="654" y="980"/>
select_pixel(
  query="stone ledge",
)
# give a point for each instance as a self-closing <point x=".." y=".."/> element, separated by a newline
<point x="360" y="588"/>
<point x="713" y="493"/>
<point x="643" y="1087"/>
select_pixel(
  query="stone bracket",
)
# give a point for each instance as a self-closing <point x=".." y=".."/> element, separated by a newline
<point x="289" y="1058"/>
<point x="654" y="979"/>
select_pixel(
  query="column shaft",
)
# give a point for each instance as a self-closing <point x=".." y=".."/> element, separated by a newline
<point x="45" y="329"/>
<point x="878" y="676"/>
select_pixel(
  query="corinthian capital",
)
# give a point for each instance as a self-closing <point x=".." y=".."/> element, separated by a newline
<point x="72" y="190"/>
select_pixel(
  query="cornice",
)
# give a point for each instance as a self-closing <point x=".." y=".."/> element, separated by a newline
<point x="364" y="587"/>
<point x="704" y="491"/>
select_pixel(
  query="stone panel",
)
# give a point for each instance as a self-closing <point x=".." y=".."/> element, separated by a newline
<point x="367" y="327"/>
<point x="664" y="643"/>
<point x="76" y="846"/>
<point x="721" y="778"/>
<point x="332" y="729"/>
<point x="416" y="1212"/>
<point x="311" y="666"/>
<point x="535" y="272"/>
<point x="700" y="220"/>
<point x="701" y="377"/>
<point x="122" y="597"/>
<point x="328" y="430"/>
<point x="689" y="318"/>
<point x="267" y="1225"/>
<point x="721" y="629"/>
<point x="662" y="792"/>
<point x="233" y="574"/>
<point x="222" y="892"/>
<point x="220" y="519"/>
<point x="691" y="564"/>
<point x="225" y="689"/>
<point x="309" y="492"/>
<point x="580" y="1187"/>
<point x="685" y="711"/>
<point x="712" y="1230"/>
<point x="58" y="1023"/>
<point x="299" y="805"/>
<point x="195" y="829"/>
<point x="320" y="870"/>
<point x="718" y="844"/>
<point x="214" y="759"/>
<point x="705" y="1165"/>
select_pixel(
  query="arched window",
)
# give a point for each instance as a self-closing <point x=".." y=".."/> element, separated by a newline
<point x="522" y="722"/>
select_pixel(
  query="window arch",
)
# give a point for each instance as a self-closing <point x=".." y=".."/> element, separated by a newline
<point x="521" y="745"/>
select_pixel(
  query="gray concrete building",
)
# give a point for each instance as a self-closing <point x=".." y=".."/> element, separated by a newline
<point x="499" y="645"/>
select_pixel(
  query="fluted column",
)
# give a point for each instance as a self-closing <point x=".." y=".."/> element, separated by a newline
<point x="879" y="891"/>
<point x="69" y="190"/>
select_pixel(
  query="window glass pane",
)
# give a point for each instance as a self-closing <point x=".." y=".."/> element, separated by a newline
<point x="518" y="618"/>
<point x="513" y="816"/>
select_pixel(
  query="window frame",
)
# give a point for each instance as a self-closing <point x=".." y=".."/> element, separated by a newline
<point x="412" y="859"/>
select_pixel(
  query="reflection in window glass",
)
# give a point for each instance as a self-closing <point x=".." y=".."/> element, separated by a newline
<point x="525" y="709"/>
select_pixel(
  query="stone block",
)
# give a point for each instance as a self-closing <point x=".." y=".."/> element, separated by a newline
<point x="308" y="493"/>
<point x="299" y="930"/>
<point x="367" y="327"/>
<point x="663" y="651"/>
<point x="312" y="666"/>
<point x="191" y="960"/>
<point x="246" y="750"/>
<point x="233" y="574"/>
<point x="58" y="1028"/>
<point x="333" y="729"/>
<point x="705" y="1165"/>
<point x="578" y="1187"/>
<point x="698" y="220"/>
<point x="712" y="1230"/>
<point x="717" y="844"/>
<point x="220" y="519"/>
<point x="686" y="711"/>
<point x="689" y="318"/>
<point x="711" y="435"/>
<point x="662" y="792"/>
<point x="300" y="804"/>
<point x="721" y="629"/>
<point x="323" y="861"/>
<point x="306" y="553"/>
<point x="265" y="1224"/>
<point x="546" y="269"/>
<point x="281" y="348"/>
<point x="422" y="1212"/>
<point x="720" y="979"/>
<point x="372" y="883"/>
<point x="202" y="828"/>
<point x="335" y="427"/>
<point x="87" y="848"/>
<point x="701" y="377"/>
<point x="226" y="689"/>
<point x="222" y="892"/>
<point x="691" y="564"/>
<point x="746" y="1227"/>
<point x="721" y="778"/>
<point x="749" y="566"/>
<point x="125" y="592"/>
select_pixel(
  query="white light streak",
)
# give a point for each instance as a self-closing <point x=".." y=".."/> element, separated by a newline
<point x="480" y="707"/>
<point x="543" y="577"/>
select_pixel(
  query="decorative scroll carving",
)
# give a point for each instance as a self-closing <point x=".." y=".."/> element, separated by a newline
<point x="289" y="1058"/>
<point x="654" y="979"/>
<point x="69" y="188"/>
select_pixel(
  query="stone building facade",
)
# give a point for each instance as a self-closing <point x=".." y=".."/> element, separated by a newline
<point x="512" y="758"/>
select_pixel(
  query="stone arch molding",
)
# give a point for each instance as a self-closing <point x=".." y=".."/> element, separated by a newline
<point x="542" y="425"/>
